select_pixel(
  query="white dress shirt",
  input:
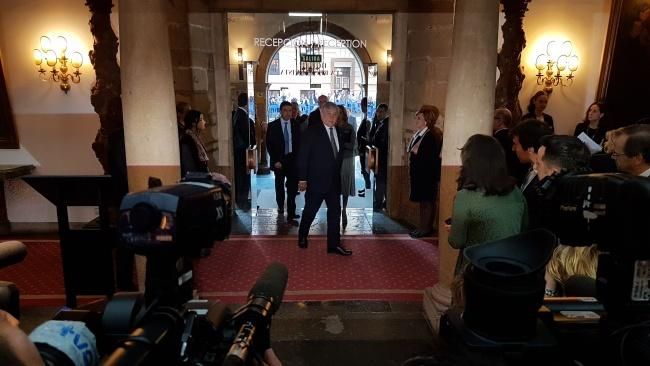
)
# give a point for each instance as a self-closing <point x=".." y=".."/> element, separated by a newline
<point x="416" y="137"/>
<point x="645" y="174"/>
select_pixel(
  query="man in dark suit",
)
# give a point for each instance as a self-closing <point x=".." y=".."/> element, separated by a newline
<point x="362" y="143"/>
<point x="319" y="173"/>
<point x="379" y="139"/>
<point x="296" y="115"/>
<point x="243" y="130"/>
<point x="282" y="139"/>
<point x="315" y="116"/>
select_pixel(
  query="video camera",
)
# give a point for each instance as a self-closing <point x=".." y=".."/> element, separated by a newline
<point x="504" y="283"/>
<point x="169" y="225"/>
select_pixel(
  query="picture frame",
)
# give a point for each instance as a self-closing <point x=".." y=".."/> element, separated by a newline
<point x="625" y="76"/>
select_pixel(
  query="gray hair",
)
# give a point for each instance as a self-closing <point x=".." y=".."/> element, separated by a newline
<point x="331" y="106"/>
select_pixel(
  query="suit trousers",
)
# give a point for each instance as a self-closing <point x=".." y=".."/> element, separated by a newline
<point x="291" y="184"/>
<point x="380" y="192"/>
<point x="242" y="180"/>
<point x="366" y="175"/>
<point x="313" y="200"/>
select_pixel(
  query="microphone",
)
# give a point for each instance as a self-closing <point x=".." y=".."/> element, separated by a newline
<point x="65" y="342"/>
<point x="264" y="299"/>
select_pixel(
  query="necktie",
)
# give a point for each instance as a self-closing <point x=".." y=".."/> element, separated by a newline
<point x="287" y="148"/>
<point x="333" y="141"/>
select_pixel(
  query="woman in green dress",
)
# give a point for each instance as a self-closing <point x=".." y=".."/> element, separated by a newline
<point x="488" y="205"/>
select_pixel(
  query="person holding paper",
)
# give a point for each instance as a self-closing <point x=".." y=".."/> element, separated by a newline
<point x="592" y="126"/>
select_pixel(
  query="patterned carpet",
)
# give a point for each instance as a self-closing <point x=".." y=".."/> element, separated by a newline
<point x="383" y="267"/>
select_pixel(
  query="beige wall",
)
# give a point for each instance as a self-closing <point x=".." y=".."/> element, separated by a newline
<point x="583" y="22"/>
<point x="55" y="130"/>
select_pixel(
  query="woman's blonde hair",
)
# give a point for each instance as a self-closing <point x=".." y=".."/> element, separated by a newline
<point x="568" y="261"/>
<point x="610" y="136"/>
<point x="430" y="113"/>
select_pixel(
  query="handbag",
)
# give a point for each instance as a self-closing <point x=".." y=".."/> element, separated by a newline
<point x="251" y="159"/>
<point x="372" y="159"/>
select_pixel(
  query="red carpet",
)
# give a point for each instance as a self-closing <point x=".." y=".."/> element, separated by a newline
<point x="387" y="267"/>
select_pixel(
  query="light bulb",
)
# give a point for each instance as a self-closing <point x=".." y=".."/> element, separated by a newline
<point x="567" y="48"/>
<point x="61" y="44"/>
<point x="38" y="56"/>
<point x="553" y="50"/>
<point x="561" y="63"/>
<point x="50" y="58"/>
<point x="541" y="61"/>
<point x="76" y="59"/>
<point x="573" y="63"/>
<point x="46" y="43"/>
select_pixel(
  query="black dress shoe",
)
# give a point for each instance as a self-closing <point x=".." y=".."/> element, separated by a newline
<point x="293" y="217"/>
<point x="340" y="251"/>
<point x="302" y="242"/>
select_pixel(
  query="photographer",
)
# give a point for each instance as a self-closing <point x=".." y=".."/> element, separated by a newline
<point x="560" y="156"/>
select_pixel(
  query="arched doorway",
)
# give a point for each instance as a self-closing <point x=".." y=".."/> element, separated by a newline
<point x="344" y="78"/>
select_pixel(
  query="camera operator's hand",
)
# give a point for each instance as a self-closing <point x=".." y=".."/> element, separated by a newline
<point x="270" y="359"/>
<point x="15" y="346"/>
<point x="302" y="185"/>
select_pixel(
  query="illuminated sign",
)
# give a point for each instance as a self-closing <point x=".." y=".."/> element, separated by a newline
<point x="310" y="58"/>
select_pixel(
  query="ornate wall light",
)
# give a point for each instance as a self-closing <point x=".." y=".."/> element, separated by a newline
<point x="54" y="55"/>
<point x="389" y="62"/>
<point x="557" y="59"/>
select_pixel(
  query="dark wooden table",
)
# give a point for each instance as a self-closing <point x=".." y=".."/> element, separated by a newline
<point x="9" y="172"/>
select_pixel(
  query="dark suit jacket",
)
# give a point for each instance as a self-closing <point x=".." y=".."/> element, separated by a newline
<point x="316" y="162"/>
<point x="275" y="144"/>
<point x="190" y="161"/>
<point x="547" y="119"/>
<point x="242" y="126"/>
<point x="362" y="134"/>
<point x="314" y="118"/>
<point x="379" y="139"/>
<point x="424" y="168"/>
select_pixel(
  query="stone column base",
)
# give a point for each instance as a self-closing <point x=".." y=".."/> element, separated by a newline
<point x="437" y="300"/>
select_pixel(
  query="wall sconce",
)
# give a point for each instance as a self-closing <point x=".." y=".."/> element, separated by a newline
<point x="389" y="62"/>
<point x="56" y="54"/>
<point x="240" y="61"/>
<point x="558" y="57"/>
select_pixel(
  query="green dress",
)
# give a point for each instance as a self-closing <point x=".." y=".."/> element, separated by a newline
<point x="478" y="218"/>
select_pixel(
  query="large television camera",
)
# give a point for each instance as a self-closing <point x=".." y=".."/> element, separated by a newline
<point x="504" y="283"/>
<point x="165" y="326"/>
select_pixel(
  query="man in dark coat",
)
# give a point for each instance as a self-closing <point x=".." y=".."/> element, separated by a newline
<point x="362" y="143"/>
<point x="319" y="174"/>
<point x="501" y="132"/>
<point x="282" y="140"/>
<point x="315" y="116"/>
<point x="379" y="139"/>
<point x="243" y="129"/>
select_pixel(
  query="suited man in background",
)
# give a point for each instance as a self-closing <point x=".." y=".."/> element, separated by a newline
<point x="379" y="139"/>
<point x="282" y="140"/>
<point x="243" y="129"/>
<point x="315" y="116"/>
<point x="319" y="173"/>
<point x="362" y="143"/>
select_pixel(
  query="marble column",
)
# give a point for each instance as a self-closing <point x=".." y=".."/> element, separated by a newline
<point x="222" y="99"/>
<point x="469" y="110"/>
<point x="150" y="133"/>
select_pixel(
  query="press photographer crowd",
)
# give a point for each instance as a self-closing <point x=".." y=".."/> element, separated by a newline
<point x="568" y="286"/>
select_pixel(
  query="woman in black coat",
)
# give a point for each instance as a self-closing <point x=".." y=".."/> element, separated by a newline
<point x="424" y="167"/>
<point x="592" y="125"/>
<point x="536" y="108"/>
<point x="194" y="157"/>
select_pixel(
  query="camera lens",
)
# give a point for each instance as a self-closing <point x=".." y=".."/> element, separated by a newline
<point x="144" y="217"/>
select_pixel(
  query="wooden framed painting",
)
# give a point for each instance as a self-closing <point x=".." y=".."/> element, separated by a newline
<point x="8" y="135"/>
<point x="625" y="75"/>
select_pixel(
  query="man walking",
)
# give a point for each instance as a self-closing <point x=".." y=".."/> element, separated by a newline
<point x="282" y="139"/>
<point x="319" y="173"/>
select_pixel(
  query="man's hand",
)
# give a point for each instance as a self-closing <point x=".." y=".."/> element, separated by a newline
<point x="278" y="165"/>
<point x="302" y="185"/>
